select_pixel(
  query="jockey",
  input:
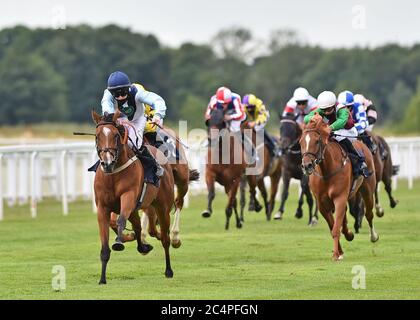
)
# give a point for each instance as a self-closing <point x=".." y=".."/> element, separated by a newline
<point x="358" y="113"/>
<point x="257" y="117"/>
<point x="370" y="110"/>
<point x="235" y="114"/>
<point x="131" y="100"/>
<point x="300" y="105"/>
<point x="231" y="104"/>
<point x="342" y="126"/>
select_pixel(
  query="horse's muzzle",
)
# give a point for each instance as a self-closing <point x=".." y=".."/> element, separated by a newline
<point x="308" y="168"/>
<point x="108" y="167"/>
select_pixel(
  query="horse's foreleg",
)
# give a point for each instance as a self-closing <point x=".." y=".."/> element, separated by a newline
<point x="313" y="217"/>
<point x="128" y="204"/>
<point x="299" y="211"/>
<point x="103" y="222"/>
<point x="368" y="200"/>
<point x="142" y="247"/>
<point x="284" y="196"/>
<point x="175" y="239"/>
<point x="254" y="205"/>
<point x="378" y="207"/>
<point x="113" y="224"/>
<point x="261" y="187"/>
<point x="340" y="211"/>
<point x="210" y="180"/>
<point x="163" y="215"/>
<point x="273" y="192"/>
<point x="242" y="188"/>
<point x="388" y="188"/>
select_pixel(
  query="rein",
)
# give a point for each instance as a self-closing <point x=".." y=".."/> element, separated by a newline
<point x="320" y="155"/>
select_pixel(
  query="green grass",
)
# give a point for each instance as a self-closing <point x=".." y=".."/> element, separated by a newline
<point x="276" y="260"/>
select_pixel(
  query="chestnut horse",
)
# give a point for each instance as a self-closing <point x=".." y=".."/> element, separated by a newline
<point x="221" y="166"/>
<point x="119" y="187"/>
<point x="331" y="180"/>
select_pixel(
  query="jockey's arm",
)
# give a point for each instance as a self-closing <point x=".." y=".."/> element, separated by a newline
<point x="108" y="102"/>
<point x="262" y="116"/>
<point x="288" y="109"/>
<point x="362" y="122"/>
<point x="154" y="100"/>
<point x="311" y="114"/>
<point x="239" y="112"/>
<point x="343" y="115"/>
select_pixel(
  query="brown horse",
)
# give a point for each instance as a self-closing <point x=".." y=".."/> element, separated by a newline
<point x="221" y="166"/>
<point x="272" y="167"/>
<point x="183" y="175"/>
<point x="120" y="188"/>
<point x="330" y="179"/>
<point x="384" y="171"/>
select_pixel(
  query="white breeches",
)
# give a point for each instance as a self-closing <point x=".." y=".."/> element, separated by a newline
<point x="342" y="134"/>
<point x="235" y="125"/>
<point x="136" y="133"/>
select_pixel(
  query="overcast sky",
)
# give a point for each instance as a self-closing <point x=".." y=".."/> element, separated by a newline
<point x="330" y="23"/>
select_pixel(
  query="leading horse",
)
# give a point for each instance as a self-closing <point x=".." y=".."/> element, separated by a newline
<point x="119" y="187"/>
<point x="331" y="180"/>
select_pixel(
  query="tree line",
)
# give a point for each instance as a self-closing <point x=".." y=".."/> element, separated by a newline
<point x="51" y="75"/>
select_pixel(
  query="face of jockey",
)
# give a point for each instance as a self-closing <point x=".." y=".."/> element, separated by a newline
<point x="302" y="104"/>
<point x="329" y="110"/>
<point x="120" y="94"/>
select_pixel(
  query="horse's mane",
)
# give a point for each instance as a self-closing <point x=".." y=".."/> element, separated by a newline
<point x="318" y="123"/>
<point x="216" y="117"/>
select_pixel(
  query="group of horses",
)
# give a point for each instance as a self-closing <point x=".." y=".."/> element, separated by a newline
<point x="308" y="154"/>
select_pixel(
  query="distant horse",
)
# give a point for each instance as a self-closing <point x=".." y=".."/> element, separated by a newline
<point x="290" y="133"/>
<point x="120" y="188"/>
<point x="225" y="171"/>
<point x="272" y="167"/>
<point x="384" y="171"/>
<point x="330" y="179"/>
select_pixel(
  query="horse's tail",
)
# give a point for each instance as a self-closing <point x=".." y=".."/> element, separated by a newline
<point x="194" y="175"/>
<point x="395" y="170"/>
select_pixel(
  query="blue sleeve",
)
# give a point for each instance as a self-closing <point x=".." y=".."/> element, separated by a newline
<point x="361" y="119"/>
<point x="108" y="102"/>
<point x="152" y="99"/>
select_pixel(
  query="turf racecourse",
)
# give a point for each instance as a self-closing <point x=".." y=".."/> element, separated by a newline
<point x="276" y="260"/>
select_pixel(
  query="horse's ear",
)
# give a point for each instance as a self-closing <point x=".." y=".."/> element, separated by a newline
<point x="117" y="114"/>
<point x="96" y="117"/>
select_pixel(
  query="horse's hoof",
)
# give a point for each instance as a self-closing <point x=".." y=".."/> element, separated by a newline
<point x="313" y="222"/>
<point x="239" y="225"/>
<point x="251" y="208"/>
<point x="380" y="212"/>
<point x="278" y="216"/>
<point x="129" y="237"/>
<point x="102" y="282"/>
<point x="338" y="258"/>
<point x="394" y="203"/>
<point x="206" y="214"/>
<point x="169" y="273"/>
<point x="258" y="207"/>
<point x="118" y="246"/>
<point x="145" y="248"/>
<point x="176" y="244"/>
<point x="349" y="236"/>
<point x="299" y="214"/>
<point x="374" y="238"/>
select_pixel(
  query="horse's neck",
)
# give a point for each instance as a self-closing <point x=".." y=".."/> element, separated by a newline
<point x="331" y="156"/>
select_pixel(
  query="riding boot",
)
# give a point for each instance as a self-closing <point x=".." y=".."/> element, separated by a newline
<point x="357" y="159"/>
<point x="153" y="170"/>
<point x="250" y="151"/>
<point x="368" y="141"/>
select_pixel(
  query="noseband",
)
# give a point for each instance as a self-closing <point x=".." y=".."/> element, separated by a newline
<point x="118" y="141"/>
<point x="319" y="155"/>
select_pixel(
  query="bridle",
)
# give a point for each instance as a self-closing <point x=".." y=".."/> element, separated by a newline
<point x="119" y="141"/>
<point x="320" y="153"/>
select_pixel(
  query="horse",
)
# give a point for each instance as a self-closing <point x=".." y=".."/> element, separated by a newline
<point x="272" y="167"/>
<point x="330" y="179"/>
<point x="221" y="166"/>
<point x="290" y="133"/>
<point x="384" y="171"/>
<point x="119" y="187"/>
<point x="183" y="176"/>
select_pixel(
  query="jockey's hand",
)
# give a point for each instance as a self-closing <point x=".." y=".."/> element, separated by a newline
<point x="251" y="124"/>
<point x="228" y="118"/>
<point x="156" y="121"/>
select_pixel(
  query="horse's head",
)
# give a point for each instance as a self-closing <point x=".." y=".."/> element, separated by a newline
<point x="290" y="133"/>
<point x="109" y="139"/>
<point x="313" y="142"/>
<point x="216" y="124"/>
